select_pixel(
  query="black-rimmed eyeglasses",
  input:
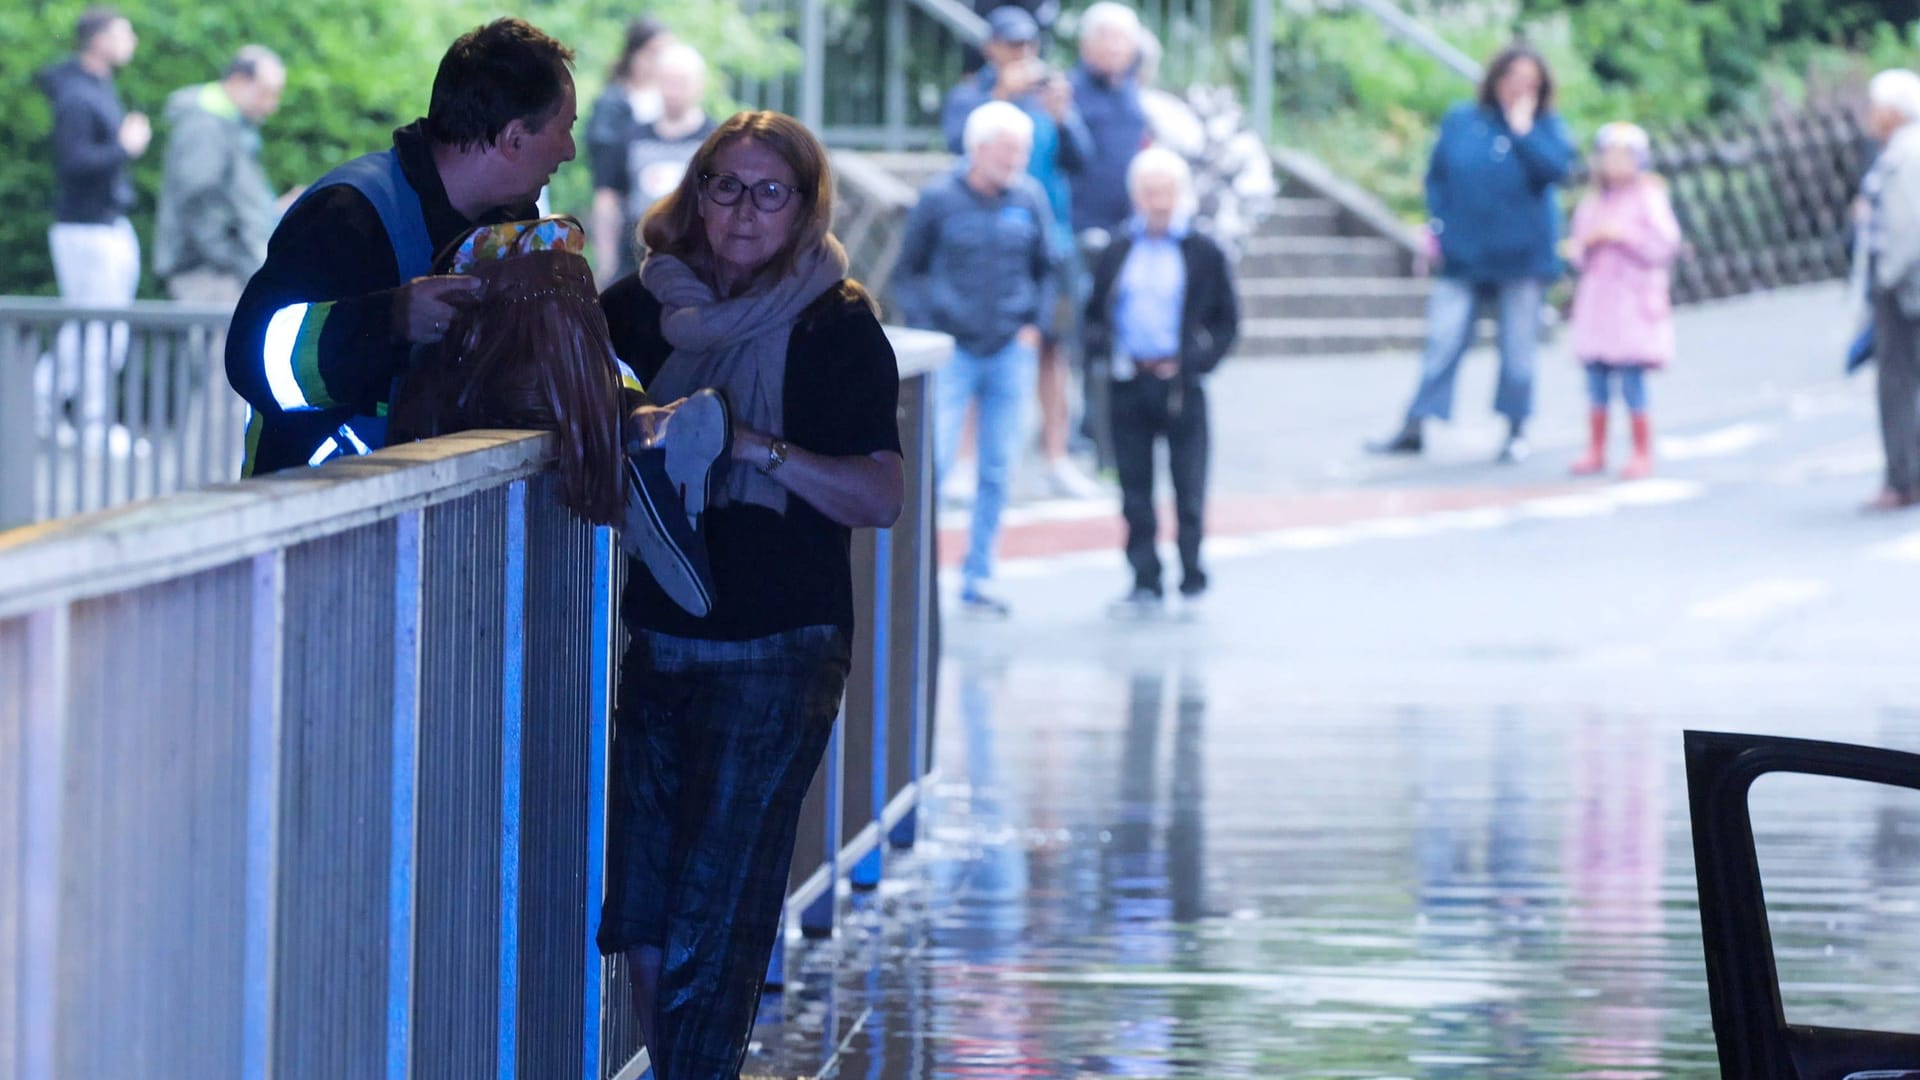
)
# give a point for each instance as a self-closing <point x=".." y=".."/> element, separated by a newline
<point x="725" y="189"/>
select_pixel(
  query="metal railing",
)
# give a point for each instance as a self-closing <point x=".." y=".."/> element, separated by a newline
<point x="870" y="218"/>
<point x="100" y="406"/>
<point x="306" y="773"/>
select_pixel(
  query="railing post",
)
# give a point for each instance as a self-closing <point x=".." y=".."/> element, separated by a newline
<point x="43" y="806"/>
<point x="896" y="91"/>
<point x="263" y="811"/>
<point x="813" y="70"/>
<point x="1260" y="46"/>
<point x="405" y="787"/>
<point x="19" y="443"/>
<point x="513" y="642"/>
<point x="598" y="706"/>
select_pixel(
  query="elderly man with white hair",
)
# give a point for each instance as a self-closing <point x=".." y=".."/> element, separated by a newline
<point x="1163" y="314"/>
<point x="976" y="263"/>
<point x="1892" y="242"/>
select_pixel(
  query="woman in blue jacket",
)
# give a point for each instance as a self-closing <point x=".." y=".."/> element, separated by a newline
<point x="1493" y="200"/>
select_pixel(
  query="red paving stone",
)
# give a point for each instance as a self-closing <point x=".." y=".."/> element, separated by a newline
<point x="1248" y="515"/>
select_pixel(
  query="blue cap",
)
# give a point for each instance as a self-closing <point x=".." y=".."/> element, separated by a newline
<point x="1013" y="25"/>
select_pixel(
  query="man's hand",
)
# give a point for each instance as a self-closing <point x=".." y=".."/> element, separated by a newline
<point x="1057" y="97"/>
<point x="1017" y="78"/>
<point x="425" y="306"/>
<point x="136" y="133"/>
<point x="1029" y="336"/>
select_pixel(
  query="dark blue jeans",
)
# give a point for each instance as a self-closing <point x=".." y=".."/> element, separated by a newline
<point x="715" y="743"/>
<point x="1633" y="386"/>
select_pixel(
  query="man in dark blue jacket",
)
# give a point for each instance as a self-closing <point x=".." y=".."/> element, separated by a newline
<point x="96" y="256"/>
<point x="976" y="263"/>
<point x="326" y="328"/>
<point x="1106" y="89"/>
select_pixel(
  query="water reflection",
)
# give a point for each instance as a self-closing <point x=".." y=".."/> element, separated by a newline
<point x="1157" y="874"/>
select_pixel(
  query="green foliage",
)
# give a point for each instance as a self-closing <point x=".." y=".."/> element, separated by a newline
<point x="356" y="70"/>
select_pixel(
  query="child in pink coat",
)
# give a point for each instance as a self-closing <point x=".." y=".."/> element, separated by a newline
<point x="1624" y="240"/>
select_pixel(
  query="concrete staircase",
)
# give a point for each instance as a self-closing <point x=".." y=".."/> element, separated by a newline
<point x="1315" y="282"/>
<point x="1319" y="279"/>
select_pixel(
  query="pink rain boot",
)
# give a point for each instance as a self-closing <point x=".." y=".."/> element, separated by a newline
<point x="1640" y="465"/>
<point x="1596" y="460"/>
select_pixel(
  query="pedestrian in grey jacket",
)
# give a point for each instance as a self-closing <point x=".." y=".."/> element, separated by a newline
<point x="976" y="263"/>
<point x="217" y="207"/>
<point x="1892" y="235"/>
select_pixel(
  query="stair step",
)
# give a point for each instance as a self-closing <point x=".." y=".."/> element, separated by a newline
<point x="1329" y="337"/>
<point x="1322" y="257"/>
<point x="1301" y="217"/>
<point x="1335" y="298"/>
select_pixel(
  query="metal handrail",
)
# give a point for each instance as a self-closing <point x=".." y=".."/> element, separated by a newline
<point x="143" y="314"/>
<point x="1421" y="36"/>
<point x="965" y="24"/>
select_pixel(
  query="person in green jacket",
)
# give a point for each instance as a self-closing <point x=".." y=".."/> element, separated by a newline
<point x="217" y="207"/>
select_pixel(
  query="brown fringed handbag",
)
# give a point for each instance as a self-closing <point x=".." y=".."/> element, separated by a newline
<point x="533" y="353"/>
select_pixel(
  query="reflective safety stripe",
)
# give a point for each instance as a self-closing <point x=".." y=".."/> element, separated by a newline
<point x="291" y="355"/>
<point x="352" y="437"/>
<point x="627" y="378"/>
<point x="283" y="334"/>
<point x="327" y="450"/>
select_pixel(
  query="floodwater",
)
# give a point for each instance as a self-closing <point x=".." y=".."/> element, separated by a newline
<point x="1159" y="874"/>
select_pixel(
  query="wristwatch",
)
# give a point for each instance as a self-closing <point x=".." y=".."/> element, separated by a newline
<point x="776" y="456"/>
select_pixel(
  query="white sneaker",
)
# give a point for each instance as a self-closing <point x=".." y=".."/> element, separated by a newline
<point x="1068" y="482"/>
<point x="962" y="484"/>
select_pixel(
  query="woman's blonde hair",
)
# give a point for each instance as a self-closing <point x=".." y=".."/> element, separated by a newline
<point x="674" y="227"/>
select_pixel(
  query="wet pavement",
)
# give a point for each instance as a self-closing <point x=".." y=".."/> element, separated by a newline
<point x="1407" y="799"/>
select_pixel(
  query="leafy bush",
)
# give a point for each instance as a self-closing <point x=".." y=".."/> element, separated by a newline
<point x="356" y="70"/>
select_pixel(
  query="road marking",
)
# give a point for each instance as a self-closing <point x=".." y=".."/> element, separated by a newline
<point x="1905" y="549"/>
<point x="1600" y="502"/>
<point x="1760" y="599"/>
<point x="1727" y="440"/>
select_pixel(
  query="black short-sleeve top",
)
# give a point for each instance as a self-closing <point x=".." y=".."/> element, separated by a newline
<point x="776" y="572"/>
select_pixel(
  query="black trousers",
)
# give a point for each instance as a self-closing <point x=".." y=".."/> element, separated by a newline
<point x="1145" y="410"/>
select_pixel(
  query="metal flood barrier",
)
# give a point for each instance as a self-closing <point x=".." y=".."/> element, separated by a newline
<point x="305" y="776"/>
<point x="102" y="406"/>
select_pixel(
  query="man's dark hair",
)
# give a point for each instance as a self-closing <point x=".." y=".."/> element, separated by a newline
<point x="1503" y="63"/>
<point x="495" y="74"/>
<point x="92" y="23"/>
<point x="640" y="34"/>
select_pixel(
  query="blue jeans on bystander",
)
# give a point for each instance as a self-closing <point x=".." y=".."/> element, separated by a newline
<point x="1452" y="310"/>
<point x="1002" y="383"/>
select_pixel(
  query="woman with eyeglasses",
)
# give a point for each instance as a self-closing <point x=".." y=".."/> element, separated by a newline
<point x="722" y="720"/>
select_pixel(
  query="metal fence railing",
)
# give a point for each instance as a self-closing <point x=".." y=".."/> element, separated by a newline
<point x="99" y="406"/>
<point x="305" y="774"/>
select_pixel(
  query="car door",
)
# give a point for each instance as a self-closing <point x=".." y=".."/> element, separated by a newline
<point x="1750" y="1025"/>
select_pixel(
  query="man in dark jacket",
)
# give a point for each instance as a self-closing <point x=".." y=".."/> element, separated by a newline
<point x="96" y="256"/>
<point x="1106" y="89"/>
<point x="216" y="206"/>
<point x="1163" y="313"/>
<point x="324" y="331"/>
<point x="976" y="263"/>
